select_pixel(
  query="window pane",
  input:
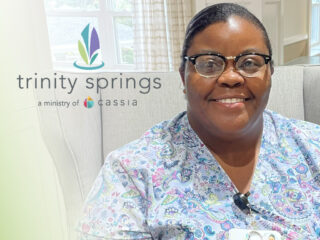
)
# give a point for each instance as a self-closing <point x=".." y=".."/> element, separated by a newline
<point x="72" y="4"/>
<point x="64" y="33"/>
<point x="315" y="30"/>
<point x="124" y="39"/>
<point x="122" y="5"/>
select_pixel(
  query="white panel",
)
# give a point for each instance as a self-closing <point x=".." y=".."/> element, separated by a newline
<point x="271" y="18"/>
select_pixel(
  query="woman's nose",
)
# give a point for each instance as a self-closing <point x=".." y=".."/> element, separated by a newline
<point x="230" y="78"/>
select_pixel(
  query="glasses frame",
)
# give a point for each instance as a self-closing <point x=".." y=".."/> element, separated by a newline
<point x="193" y="58"/>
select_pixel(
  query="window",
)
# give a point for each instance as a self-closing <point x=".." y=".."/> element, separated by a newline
<point x="112" y="19"/>
<point x="315" y="28"/>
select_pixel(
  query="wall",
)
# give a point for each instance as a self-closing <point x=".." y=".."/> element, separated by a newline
<point x="295" y="50"/>
<point x="290" y="35"/>
<point x="253" y="5"/>
<point x="296" y="30"/>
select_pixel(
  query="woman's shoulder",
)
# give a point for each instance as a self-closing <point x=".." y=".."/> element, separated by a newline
<point x="292" y="127"/>
<point x="156" y="143"/>
<point x="298" y="142"/>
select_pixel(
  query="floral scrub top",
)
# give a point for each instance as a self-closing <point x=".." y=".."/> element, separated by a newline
<point x="167" y="185"/>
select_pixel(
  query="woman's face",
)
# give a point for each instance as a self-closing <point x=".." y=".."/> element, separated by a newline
<point x="205" y="105"/>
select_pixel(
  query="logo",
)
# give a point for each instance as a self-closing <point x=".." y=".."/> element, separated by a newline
<point x="89" y="50"/>
<point x="88" y="102"/>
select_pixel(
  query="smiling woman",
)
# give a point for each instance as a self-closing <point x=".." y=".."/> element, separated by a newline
<point x="226" y="109"/>
<point x="226" y="163"/>
<point x="228" y="84"/>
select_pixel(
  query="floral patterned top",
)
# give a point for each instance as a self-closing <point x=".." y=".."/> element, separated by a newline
<point x="167" y="185"/>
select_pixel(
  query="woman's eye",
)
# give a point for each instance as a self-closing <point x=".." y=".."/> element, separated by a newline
<point x="249" y="63"/>
<point x="212" y="64"/>
<point x="209" y="64"/>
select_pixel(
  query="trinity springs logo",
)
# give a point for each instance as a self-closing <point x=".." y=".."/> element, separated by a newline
<point x="89" y="49"/>
<point x="114" y="85"/>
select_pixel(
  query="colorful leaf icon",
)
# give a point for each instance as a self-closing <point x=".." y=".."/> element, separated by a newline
<point x="82" y="52"/>
<point x="88" y="47"/>
<point x="94" y="42"/>
<point x="85" y="37"/>
<point x="93" y="58"/>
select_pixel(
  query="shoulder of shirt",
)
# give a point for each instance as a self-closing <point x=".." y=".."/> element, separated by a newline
<point x="138" y="152"/>
<point x="291" y="126"/>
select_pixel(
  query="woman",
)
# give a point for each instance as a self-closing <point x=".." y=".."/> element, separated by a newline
<point x="225" y="169"/>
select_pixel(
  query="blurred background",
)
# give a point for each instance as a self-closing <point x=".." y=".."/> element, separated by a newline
<point x="293" y="26"/>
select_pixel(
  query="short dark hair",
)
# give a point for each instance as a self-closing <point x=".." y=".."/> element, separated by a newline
<point x="219" y="13"/>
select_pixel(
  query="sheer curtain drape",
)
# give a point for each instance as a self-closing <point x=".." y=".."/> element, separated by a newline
<point x="159" y="27"/>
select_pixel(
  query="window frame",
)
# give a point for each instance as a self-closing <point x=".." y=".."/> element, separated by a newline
<point x="314" y="48"/>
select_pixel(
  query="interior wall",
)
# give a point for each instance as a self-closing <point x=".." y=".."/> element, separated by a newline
<point x="296" y="28"/>
<point x="194" y="6"/>
<point x="272" y="19"/>
<point x="295" y="50"/>
<point x="291" y="35"/>
<point x="252" y="5"/>
<point x="295" y="17"/>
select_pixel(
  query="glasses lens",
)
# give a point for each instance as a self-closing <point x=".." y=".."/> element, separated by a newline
<point x="251" y="65"/>
<point x="209" y="66"/>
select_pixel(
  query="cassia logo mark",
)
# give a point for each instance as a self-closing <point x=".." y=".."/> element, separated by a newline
<point x="88" y="102"/>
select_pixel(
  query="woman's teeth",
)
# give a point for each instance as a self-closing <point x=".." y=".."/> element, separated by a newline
<point x="231" y="100"/>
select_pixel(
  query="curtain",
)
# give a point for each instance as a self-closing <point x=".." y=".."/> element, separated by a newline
<point x="159" y="27"/>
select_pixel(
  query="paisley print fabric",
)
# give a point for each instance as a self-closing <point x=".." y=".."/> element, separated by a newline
<point x="167" y="185"/>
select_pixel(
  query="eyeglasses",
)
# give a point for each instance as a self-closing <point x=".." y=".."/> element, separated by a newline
<point x="212" y="65"/>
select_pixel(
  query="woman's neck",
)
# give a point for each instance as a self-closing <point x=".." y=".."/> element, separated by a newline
<point x="236" y="149"/>
<point x="237" y="154"/>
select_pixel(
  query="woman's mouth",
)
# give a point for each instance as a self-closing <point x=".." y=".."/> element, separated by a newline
<point x="230" y="100"/>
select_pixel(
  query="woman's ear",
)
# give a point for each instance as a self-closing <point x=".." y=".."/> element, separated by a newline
<point x="271" y="67"/>
<point x="182" y="75"/>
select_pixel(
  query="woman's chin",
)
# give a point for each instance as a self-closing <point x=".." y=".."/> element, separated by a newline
<point x="240" y="127"/>
<point x="226" y="126"/>
<point x="231" y="129"/>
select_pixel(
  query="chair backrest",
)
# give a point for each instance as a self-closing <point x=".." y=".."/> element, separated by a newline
<point x="73" y="137"/>
<point x="311" y="93"/>
<point x="286" y="96"/>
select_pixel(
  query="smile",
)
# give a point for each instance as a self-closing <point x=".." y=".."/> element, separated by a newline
<point x="231" y="100"/>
